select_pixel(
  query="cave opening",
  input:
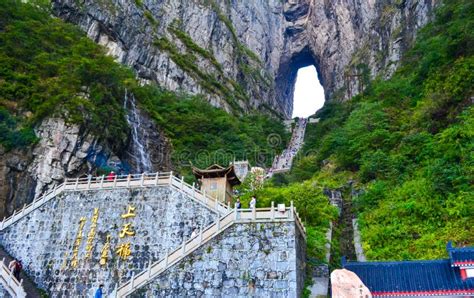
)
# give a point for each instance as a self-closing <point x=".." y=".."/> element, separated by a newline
<point x="300" y="84"/>
<point x="308" y="95"/>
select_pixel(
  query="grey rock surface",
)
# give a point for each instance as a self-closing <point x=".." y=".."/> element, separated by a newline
<point x="67" y="150"/>
<point x="251" y="50"/>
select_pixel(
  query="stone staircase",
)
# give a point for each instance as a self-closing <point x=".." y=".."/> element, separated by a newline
<point x="283" y="162"/>
<point x="271" y="214"/>
<point x="227" y="218"/>
<point x="23" y="288"/>
<point x="123" y="181"/>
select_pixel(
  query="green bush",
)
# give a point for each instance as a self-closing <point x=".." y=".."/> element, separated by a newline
<point x="50" y="68"/>
<point x="409" y="140"/>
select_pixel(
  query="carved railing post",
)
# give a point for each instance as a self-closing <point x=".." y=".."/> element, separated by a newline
<point x="149" y="269"/>
<point x="236" y="216"/>
<point x="292" y="210"/>
<point x="273" y="210"/>
<point x="101" y="181"/>
<point x="183" y="251"/>
<point x="166" y="258"/>
<point x="132" y="281"/>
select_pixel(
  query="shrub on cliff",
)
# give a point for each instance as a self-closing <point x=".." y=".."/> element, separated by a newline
<point x="50" y="68"/>
<point x="409" y="139"/>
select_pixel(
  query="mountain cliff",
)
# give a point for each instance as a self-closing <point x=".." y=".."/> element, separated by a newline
<point x="244" y="55"/>
<point x="63" y="104"/>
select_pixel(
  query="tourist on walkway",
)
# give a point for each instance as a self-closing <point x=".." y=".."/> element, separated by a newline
<point x="99" y="293"/>
<point x="17" y="270"/>
<point x="111" y="176"/>
<point x="253" y="202"/>
<point x="193" y="234"/>
<point x="238" y="205"/>
<point x="11" y="266"/>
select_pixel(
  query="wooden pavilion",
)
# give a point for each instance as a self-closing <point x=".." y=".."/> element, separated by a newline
<point x="218" y="181"/>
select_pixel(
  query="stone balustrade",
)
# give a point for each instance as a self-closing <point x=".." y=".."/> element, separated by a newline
<point x="171" y="258"/>
<point x="10" y="283"/>
<point x="118" y="181"/>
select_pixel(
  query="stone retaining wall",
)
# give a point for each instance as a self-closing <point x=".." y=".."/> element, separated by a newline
<point x="260" y="259"/>
<point x="45" y="239"/>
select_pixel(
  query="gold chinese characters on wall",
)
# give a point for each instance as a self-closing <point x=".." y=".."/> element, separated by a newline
<point x="123" y="249"/>
<point x="77" y="242"/>
<point x="91" y="235"/>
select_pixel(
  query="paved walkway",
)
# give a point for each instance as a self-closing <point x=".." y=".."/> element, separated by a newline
<point x="284" y="161"/>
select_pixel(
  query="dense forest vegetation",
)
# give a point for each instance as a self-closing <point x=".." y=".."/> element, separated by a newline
<point x="406" y="143"/>
<point x="50" y="68"/>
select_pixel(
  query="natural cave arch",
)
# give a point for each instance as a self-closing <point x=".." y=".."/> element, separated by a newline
<point x="308" y="97"/>
<point x="286" y="78"/>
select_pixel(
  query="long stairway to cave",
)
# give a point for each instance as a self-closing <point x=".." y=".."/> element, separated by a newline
<point x="283" y="162"/>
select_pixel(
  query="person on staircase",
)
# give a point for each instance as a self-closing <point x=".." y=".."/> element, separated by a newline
<point x="11" y="265"/>
<point x="17" y="269"/>
<point x="99" y="292"/>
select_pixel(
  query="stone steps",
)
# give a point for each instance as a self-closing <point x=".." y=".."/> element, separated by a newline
<point x="237" y="216"/>
<point x="283" y="163"/>
<point x="28" y="285"/>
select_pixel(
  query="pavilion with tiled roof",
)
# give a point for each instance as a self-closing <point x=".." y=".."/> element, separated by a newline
<point x="217" y="181"/>
<point x="448" y="277"/>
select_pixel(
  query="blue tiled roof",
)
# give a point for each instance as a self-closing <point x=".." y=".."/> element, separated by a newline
<point x="462" y="256"/>
<point x="410" y="276"/>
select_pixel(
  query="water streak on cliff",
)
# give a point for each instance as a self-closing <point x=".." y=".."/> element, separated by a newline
<point x="138" y="151"/>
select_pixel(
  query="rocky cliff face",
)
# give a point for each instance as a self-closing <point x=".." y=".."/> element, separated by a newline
<point x="63" y="150"/>
<point x="66" y="150"/>
<point x="241" y="55"/>
<point x="244" y="55"/>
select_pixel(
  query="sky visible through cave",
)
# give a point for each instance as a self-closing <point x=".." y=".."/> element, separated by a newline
<point x="309" y="94"/>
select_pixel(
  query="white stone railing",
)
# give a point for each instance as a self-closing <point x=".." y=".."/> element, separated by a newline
<point x="10" y="283"/>
<point x="271" y="214"/>
<point x="119" y="181"/>
<point x="200" y="196"/>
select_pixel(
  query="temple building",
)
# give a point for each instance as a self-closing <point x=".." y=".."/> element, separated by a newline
<point x="440" y="278"/>
<point x="218" y="181"/>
